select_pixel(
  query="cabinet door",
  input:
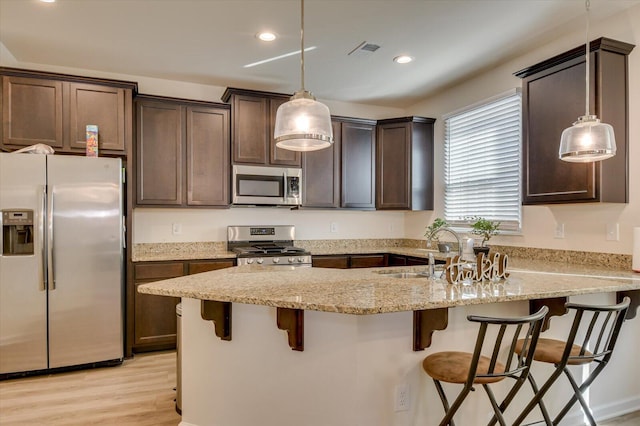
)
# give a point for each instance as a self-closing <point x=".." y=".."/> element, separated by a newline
<point x="155" y="320"/>
<point x="100" y="105"/>
<point x="397" y="260"/>
<point x="547" y="179"/>
<point x="358" y="166"/>
<point x="155" y="316"/>
<point x="321" y="174"/>
<point x="160" y="153"/>
<point x="250" y="128"/>
<point x="207" y="156"/>
<point x="553" y="97"/>
<point x="32" y="112"/>
<point x="393" y="166"/>
<point x="279" y="156"/>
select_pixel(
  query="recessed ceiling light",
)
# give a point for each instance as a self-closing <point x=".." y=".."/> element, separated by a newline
<point x="403" y="59"/>
<point x="48" y="1"/>
<point x="266" y="36"/>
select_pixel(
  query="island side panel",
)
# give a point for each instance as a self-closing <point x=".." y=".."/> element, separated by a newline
<point x="351" y="366"/>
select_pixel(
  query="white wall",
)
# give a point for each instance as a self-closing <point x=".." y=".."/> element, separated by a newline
<point x="585" y="224"/>
<point x="155" y="225"/>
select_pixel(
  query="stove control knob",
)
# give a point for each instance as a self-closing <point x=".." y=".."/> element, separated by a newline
<point x="291" y="260"/>
<point x="276" y="260"/>
<point x="249" y="261"/>
<point x="260" y="261"/>
<point x="300" y="259"/>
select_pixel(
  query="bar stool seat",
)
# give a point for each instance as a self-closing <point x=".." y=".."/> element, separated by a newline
<point x="551" y="351"/>
<point x="453" y="367"/>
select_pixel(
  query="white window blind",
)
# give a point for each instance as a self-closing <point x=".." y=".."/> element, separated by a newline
<point x="482" y="163"/>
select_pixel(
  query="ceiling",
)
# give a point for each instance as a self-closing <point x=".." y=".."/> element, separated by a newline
<point x="209" y="41"/>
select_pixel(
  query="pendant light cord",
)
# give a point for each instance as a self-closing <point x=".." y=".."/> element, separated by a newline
<point x="587" y="5"/>
<point x="302" y="43"/>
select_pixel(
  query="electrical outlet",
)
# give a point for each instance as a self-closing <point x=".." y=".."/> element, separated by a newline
<point x="176" y="228"/>
<point x="559" y="233"/>
<point x="402" y="397"/>
<point x="613" y="232"/>
<point x="334" y="227"/>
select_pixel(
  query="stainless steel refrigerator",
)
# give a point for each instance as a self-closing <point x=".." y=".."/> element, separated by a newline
<point x="61" y="265"/>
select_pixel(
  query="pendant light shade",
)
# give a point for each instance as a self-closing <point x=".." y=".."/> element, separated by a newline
<point x="588" y="139"/>
<point x="302" y="123"/>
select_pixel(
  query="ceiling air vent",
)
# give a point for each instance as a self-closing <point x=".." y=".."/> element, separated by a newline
<point x="364" y="49"/>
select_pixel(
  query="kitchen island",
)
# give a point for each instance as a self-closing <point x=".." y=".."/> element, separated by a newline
<point x="355" y="334"/>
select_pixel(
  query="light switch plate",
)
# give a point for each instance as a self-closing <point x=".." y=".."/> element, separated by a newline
<point x="559" y="232"/>
<point x="613" y="232"/>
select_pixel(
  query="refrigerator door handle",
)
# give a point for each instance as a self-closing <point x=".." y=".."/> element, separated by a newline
<point x="43" y="227"/>
<point x="50" y="271"/>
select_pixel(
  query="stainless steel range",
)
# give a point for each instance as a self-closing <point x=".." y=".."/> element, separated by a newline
<point x="266" y="245"/>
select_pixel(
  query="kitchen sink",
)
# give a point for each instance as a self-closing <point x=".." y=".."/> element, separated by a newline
<point x="407" y="275"/>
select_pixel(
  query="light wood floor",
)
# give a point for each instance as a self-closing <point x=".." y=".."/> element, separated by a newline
<point x="140" y="393"/>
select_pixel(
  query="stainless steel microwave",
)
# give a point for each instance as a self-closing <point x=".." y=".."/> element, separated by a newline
<point x="274" y="186"/>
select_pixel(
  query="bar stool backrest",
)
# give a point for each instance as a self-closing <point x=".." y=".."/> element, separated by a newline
<point x="507" y="332"/>
<point x="595" y="330"/>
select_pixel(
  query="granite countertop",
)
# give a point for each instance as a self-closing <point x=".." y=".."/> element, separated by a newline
<point x="371" y="291"/>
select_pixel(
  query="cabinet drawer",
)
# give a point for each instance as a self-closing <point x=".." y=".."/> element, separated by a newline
<point x="147" y="271"/>
<point x="369" y="261"/>
<point x="397" y="260"/>
<point x="211" y="265"/>
<point x="336" y="262"/>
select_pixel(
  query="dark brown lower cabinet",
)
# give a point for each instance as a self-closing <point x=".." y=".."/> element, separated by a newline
<point x="368" y="260"/>
<point x="412" y="261"/>
<point x="155" y="316"/>
<point x="397" y="260"/>
<point x="345" y="261"/>
<point x="330" y="261"/>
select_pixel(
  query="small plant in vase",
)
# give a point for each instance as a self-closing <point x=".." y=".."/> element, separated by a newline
<point x="487" y="229"/>
<point x="432" y="231"/>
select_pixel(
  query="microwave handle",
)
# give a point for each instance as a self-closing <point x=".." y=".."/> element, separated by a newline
<point x="286" y="185"/>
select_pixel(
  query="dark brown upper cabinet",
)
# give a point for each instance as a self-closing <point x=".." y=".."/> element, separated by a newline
<point x="182" y="153"/>
<point x="54" y="109"/>
<point x="321" y="174"/>
<point x="358" y="159"/>
<point x="404" y="164"/>
<point x="553" y="95"/>
<point x="253" y="115"/>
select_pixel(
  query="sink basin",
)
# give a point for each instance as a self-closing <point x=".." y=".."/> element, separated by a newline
<point x="407" y="275"/>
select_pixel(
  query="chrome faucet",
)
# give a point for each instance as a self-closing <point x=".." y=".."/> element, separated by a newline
<point x="452" y="232"/>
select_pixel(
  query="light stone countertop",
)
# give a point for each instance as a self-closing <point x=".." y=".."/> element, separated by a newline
<point x="371" y="291"/>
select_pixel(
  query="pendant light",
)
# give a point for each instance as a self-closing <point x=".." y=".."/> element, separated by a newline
<point x="588" y="139"/>
<point x="302" y="123"/>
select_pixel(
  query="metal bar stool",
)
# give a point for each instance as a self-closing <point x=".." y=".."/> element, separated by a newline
<point x="474" y="368"/>
<point x="592" y="338"/>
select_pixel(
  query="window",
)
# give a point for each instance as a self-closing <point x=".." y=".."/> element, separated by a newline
<point x="482" y="162"/>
